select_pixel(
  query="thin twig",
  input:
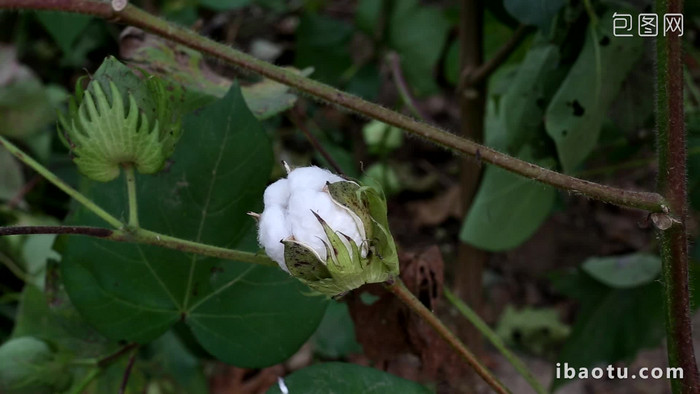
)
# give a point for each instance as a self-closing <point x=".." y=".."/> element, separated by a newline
<point x="83" y="230"/>
<point x="136" y="17"/>
<point x="66" y="188"/>
<point x="109" y="359"/>
<point x="471" y="77"/>
<point x="397" y="74"/>
<point x="398" y="288"/>
<point x="127" y="372"/>
<point x="296" y="118"/>
<point x="26" y="188"/>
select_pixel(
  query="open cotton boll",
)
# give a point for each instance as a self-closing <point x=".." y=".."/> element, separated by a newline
<point x="289" y="204"/>
<point x="274" y="227"/>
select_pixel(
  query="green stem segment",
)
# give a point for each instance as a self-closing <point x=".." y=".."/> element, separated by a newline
<point x="671" y="143"/>
<point x="147" y="237"/>
<point x="131" y="191"/>
<point x="46" y="173"/>
<point x="398" y="288"/>
<point x="495" y="340"/>
<point x="136" y="17"/>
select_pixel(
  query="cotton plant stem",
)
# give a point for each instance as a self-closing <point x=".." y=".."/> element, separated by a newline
<point x="46" y="173"/>
<point x="131" y="195"/>
<point x="398" y="288"/>
<point x="137" y="17"/>
<point x="671" y="144"/>
<point x="146" y="237"/>
<point x="495" y="340"/>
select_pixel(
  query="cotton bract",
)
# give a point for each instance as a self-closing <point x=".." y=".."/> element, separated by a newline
<point x="328" y="232"/>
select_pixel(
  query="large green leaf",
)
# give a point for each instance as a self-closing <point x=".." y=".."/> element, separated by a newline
<point x="576" y="112"/>
<point x="341" y="378"/>
<point x="418" y="34"/>
<point x="620" y="322"/>
<point x="507" y="209"/>
<point x="243" y="314"/>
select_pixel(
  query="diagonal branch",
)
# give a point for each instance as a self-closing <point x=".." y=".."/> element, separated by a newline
<point x="136" y="17"/>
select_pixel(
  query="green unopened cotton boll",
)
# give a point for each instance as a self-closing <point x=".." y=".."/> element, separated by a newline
<point x="328" y="232"/>
<point x="107" y="127"/>
<point x="29" y="366"/>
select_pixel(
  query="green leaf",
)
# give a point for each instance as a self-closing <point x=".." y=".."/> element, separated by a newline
<point x="418" y="34"/>
<point x="507" y="209"/>
<point x="187" y="67"/>
<point x="136" y="293"/>
<point x="323" y="43"/>
<point x="625" y="271"/>
<point x="576" y="112"/>
<point x="64" y="27"/>
<point x="335" y="336"/>
<point x="268" y="98"/>
<point x="620" y="322"/>
<point x="58" y="324"/>
<point x="341" y="378"/>
<point x="224" y="5"/>
<point x="26" y="105"/>
<point x="538" y="13"/>
<point x="522" y="106"/>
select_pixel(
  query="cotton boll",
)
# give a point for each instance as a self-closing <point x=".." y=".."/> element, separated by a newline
<point x="277" y="194"/>
<point x="272" y="228"/>
<point x="310" y="178"/>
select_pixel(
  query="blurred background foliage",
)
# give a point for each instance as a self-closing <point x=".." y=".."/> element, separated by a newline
<point x="568" y="280"/>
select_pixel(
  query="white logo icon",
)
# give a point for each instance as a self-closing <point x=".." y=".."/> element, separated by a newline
<point x="622" y="25"/>
<point x="648" y="25"/>
<point x="673" y="23"/>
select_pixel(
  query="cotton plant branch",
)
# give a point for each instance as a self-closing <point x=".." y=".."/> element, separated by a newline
<point x="399" y="289"/>
<point x="672" y="155"/>
<point x="471" y="77"/>
<point x="145" y="237"/>
<point x="137" y="17"/>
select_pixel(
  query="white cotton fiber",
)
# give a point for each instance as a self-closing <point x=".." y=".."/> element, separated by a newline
<point x="277" y="194"/>
<point x="274" y="227"/>
<point x="288" y="212"/>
